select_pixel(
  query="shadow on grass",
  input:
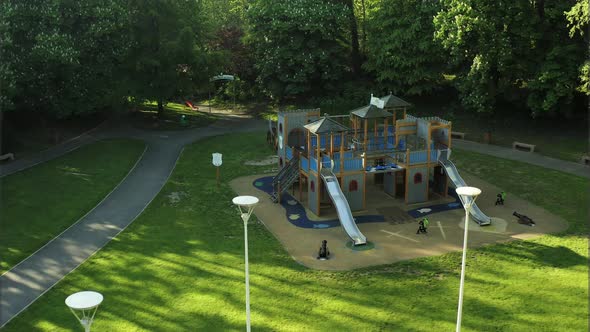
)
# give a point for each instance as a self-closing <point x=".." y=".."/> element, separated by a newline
<point x="179" y="267"/>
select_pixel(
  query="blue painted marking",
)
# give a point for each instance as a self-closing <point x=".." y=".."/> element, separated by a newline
<point x="454" y="205"/>
<point x="321" y="226"/>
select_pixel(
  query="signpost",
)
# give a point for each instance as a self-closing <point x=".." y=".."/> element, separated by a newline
<point x="217" y="162"/>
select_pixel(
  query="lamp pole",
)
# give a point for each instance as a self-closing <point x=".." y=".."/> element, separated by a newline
<point x="245" y="218"/>
<point x="246" y="206"/>
<point x="468" y="196"/>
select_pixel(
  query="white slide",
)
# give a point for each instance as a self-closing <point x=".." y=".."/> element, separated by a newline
<point x="342" y="207"/>
<point x="458" y="181"/>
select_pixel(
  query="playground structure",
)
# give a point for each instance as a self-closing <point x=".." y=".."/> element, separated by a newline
<point x="335" y="156"/>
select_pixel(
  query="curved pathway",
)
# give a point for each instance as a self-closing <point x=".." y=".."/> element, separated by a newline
<point x="32" y="277"/>
<point x="527" y="157"/>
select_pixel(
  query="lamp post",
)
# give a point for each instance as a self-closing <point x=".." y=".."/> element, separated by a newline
<point x="246" y="206"/>
<point x="84" y="306"/>
<point x="468" y="196"/>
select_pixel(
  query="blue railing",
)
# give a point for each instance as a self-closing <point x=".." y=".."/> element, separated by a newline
<point x="347" y="155"/>
<point x="433" y="154"/>
<point x="353" y="164"/>
<point x="304" y="164"/>
<point x="289" y="152"/>
<point x="418" y="157"/>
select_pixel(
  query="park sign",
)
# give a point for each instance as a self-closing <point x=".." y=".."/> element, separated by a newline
<point x="217" y="162"/>
<point x="217" y="159"/>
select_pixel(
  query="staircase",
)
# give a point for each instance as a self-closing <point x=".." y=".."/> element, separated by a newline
<point x="285" y="178"/>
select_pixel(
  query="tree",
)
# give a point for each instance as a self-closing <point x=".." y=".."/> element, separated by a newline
<point x="62" y="56"/>
<point x="296" y="45"/>
<point x="578" y="18"/>
<point x="167" y="57"/>
<point x="504" y="46"/>
<point x="490" y="43"/>
<point x="400" y="46"/>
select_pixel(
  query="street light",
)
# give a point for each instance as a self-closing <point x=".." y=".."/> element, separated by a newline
<point x="246" y="206"/>
<point x="467" y="196"/>
<point x="84" y="306"/>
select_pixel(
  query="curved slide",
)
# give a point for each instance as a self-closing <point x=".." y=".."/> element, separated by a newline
<point x="458" y="181"/>
<point x="342" y="207"/>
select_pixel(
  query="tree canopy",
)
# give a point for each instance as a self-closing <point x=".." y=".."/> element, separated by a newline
<point x="64" y="58"/>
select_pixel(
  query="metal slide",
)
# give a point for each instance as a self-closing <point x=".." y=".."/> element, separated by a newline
<point x="342" y="207"/>
<point x="458" y="181"/>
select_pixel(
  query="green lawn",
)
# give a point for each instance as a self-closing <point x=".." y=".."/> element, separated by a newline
<point x="557" y="138"/>
<point x="146" y="117"/>
<point x="40" y="202"/>
<point x="179" y="267"/>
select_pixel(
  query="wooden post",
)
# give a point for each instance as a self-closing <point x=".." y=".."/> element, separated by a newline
<point x="375" y="129"/>
<point x="450" y="131"/>
<point x="407" y="184"/>
<point x="366" y="133"/>
<point x="429" y="137"/>
<point x="331" y="144"/>
<point x="217" y="176"/>
<point x="308" y="145"/>
<point x="300" y="185"/>
<point x="385" y="132"/>
<point x="342" y="153"/>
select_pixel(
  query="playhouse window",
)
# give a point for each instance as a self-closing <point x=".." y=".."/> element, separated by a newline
<point x="281" y="161"/>
<point x="353" y="185"/>
<point x="312" y="185"/>
<point x="418" y="178"/>
<point x="280" y="128"/>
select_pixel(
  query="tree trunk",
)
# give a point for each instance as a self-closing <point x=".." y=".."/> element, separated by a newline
<point x="364" y="27"/>
<point x="1" y="132"/>
<point x="355" y="57"/>
<point x="160" y="108"/>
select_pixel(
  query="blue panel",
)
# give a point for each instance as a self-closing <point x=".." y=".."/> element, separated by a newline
<point x="418" y="157"/>
<point x="402" y="144"/>
<point x="313" y="164"/>
<point x="353" y="164"/>
<point x="304" y="164"/>
<point x="433" y="155"/>
<point x="289" y="151"/>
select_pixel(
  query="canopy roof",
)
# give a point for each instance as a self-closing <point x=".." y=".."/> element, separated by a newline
<point x="325" y="125"/>
<point x="393" y="101"/>
<point x="371" y="112"/>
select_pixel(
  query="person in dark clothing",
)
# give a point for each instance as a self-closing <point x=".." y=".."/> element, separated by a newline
<point x="324" y="252"/>
<point x="423" y="225"/>
<point x="500" y="198"/>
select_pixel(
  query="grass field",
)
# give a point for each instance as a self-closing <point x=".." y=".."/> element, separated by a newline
<point x="40" y="202"/>
<point x="179" y="266"/>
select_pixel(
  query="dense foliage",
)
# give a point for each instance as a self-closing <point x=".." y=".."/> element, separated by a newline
<point x="503" y="47"/>
<point x="402" y="53"/>
<point x="62" y="57"/>
<point x="296" y="44"/>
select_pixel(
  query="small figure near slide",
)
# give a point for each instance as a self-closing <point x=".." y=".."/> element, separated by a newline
<point x="423" y="226"/>
<point x="500" y="198"/>
<point x="324" y="252"/>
